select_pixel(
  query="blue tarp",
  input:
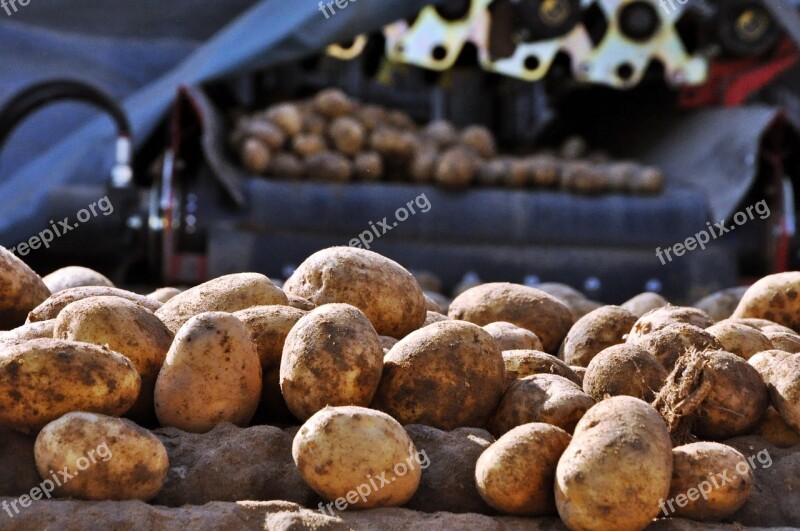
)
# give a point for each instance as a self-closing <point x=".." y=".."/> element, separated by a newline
<point x="141" y="52"/>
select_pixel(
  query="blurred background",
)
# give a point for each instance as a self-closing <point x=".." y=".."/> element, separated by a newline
<point x="555" y="140"/>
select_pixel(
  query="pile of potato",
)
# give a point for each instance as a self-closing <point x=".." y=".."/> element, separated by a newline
<point x="597" y="419"/>
<point x="333" y="137"/>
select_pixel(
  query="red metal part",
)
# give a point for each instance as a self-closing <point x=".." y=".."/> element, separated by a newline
<point x="731" y="83"/>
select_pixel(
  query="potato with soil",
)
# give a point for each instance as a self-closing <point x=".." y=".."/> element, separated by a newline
<point x="739" y="339"/>
<point x="774" y="297"/>
<point x="529" y="308"/>
<point x="722" y="304"/>
<point x="765" y="362"/>
<point x="655" y="320"/>
<point x="332" y="356"/>
<point x="522" y="363"/>
<point x="162" y="295"/>
<point x="544" y="398"/>
<point x="368" y="166"/>
<point x="328" y="166"/>
<point x="229" y="293"/>
<point x="332" y="103"/>
<point x="624" y="370"/>
<point x="512" y="337"/>
<point x="347" y="135"/>
<point x="763" y="325"/>
<point x="287" y="117"/>
<point x="516" y="474"/>
<point x="110" y="458"/>
<point x="74" y="277"/>
<point x="774" y="429"/>
<point x="784" y="389"/>
<point x="671" y="342"/>
<point x="595" y="332"/>
<point x="124" y="327"/>
<point x="46" y="378"/>
<point x="268" y="327"/>
<point x="384" y="290"/>
<point x="644" y="302"/>
<point x="211" y="375"/>
<point x="357" y="458"/>
<point x="480" y="140"/>
<point x="39" y="330"/>
<point x="616" y="469"/>
<point x="446" y="375"/>
<point x="434" y="317"/>
<point x="710" y="481"/>
<point x="783" y="341"/>
<point x="50" y="308"/>
<point x="21" y="290"/>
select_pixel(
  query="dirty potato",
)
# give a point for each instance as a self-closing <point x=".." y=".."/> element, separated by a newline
<point x="776" y="431"/>
<point x="110" y="458"/>
<point x="512" y="337"/>
<point x="624" y="370"/>
<point x="529" y="308"/>
<point x="51" y="307"/>
<point x="516" y="474"/>
<point x="384" y="290"/>
<point x="655" y="320"/>
<point x="38" y="330"/>
<point x="522" y="363"/>
<point x="212" y="355"/>
<point x="595" y="332"/>
<point x="644" y="302"/>
<point x="162" y="295"/>
<point x="669" y="343"/>
<point x="341" y="452"/>
<point x="739" y="339"/>
<point x="21" y="290"/>
<point x="446" y="375"/>
<point x="74" y="277"/>
<point x="46" y="378"/>
<point x="783" y="341"/>
<point x="332" y="356"/>
<point x="721" y="305"/>
<point x="229" y="293"/>
<point x="784" y="389"/>
<point x="774" y="297"/>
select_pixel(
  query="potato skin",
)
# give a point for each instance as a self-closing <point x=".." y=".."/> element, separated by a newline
<point x="595" y="332"/>
<point x="21" y="290"/>
<point x="74" y="277"/>
<point x="212" y="355"/>
<point x="162" y="295"/>
<point x="446" y="375"/>
<point x="699" y="464"/>
<point x="268" y="327"/>
<point x="123" y="460"/>
<point x="655" y="320"/>
<point x="42" y="379"/>
<point x="511" y="337"/>
<point x="544" y="315"/>
<point x="384" y="290"/>
<point x="332" y="356"/>
<point x="540" y="398"/>
<point x="644" y="302"/>
<point x="616" y="468"/>
<point x="783" y="341"/>
<point x="774" y="297"/>
<point x="50" y="308"/>
<point x="776" y="431"/>
<point x="669" y="343"/>
<point x="38" y="330"/>
<point x="624" y="370"/>
<point x="784" y="389"/>
<point x="739" y="339"/>
<point x="229" y="293"/>
<point x="124" y="327"/>
<point x="522" y="363"/>
<point x="515" y="475"/>
<point x="340" y="449"/>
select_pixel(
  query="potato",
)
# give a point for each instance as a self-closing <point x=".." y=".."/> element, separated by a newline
<point x="286" y="166"/>
<point x="21" y="290"/>
<point x="306" y="144"/>
<point x="287" y="117"/>
<point x="256" y="157"/>
<point x="763" y="325"/>
<point x="480" y="140"/>
<point x="540" y="398"/>
<point x="644" y="302"/>
<point x="43" y="379"/>
<point x="162" y="295"/>
<point x="529" y="308"/>
<point x="434" y="317"/>
<point x="580" y="372"/>
<point x="332" y="356"/>
<point x="347" y="135"/>
<point x="616" y="468"/>
<point x="268" y="327"/>
<point x="784" y="389"/>
<point x="300" y="303"/>
<point x="50" y="308"/>
<point x="595" y="332"/>
<point x="109" y="458"/>
<point x="74" y="277"/>
<point x="713" y="479"/>
<point x="446" y="375"/>
<point x="211" y="375"/>
<point x="401" y="120"/>
<point x="522" y="363"/>
<point x="563" y="292"/>
<point x="430" y="304"/>
<point x="387" y="343"/>
<point x="774" y="429"/>
<point x="493" y="172"/>
<point x="669" y="343"/>
<point x="511" y="337"/>
<point x="333" y="103"/>
<point x="328" y="166"/>
<point x="124" y="327"/>
<point x="423" y="166"/>
<point x="269" y="134"/>
<point x="739" y="339"/>
<point x="721" y="305"/>
<point x="655" y="320"/>
<point x="783" y="341"/>
<point x="229" y="293"/>
<point x="357" y="457"/>
<point x="385" y="291"/>
<point x="441" y="132"/>
<point x="455" y="168"/>
<point x="38" y="330"/>
<point x="624" y="370"/>
<point x="764" y="362"/>
<point x="314" y="123"/>
<point x="585" y="307"/>
<point x="544" y="170"/>
<point x="368" y="166"/>
<point x="516" y="474"/>
<point x="371" y="116"/>
<point x="774" y="297"/>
